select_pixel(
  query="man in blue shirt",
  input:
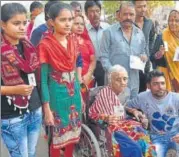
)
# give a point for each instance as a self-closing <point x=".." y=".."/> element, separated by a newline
<point x="121" y="42"/>
<point x="95" y="30"/>
<point x="38" y="32"/>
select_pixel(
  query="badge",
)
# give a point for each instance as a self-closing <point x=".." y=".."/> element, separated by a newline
<point x="32" y="80"/>
<point x="166" y="46"/>
<point x="119" y="110"/>
<point x="176" y="56"/>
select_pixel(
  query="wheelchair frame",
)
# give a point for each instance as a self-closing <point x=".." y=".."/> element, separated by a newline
<point x="98" y="144"/>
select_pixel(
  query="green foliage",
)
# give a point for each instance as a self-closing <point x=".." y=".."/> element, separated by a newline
<point x="110" y="8"/>
<point x="155" y="4"/>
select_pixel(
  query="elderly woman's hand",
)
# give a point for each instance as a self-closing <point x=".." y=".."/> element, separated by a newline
<point x="114" y="119"/>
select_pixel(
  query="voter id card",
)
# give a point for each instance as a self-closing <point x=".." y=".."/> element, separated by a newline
<point x="32" y="80"/>
<point x="119" y="110"/>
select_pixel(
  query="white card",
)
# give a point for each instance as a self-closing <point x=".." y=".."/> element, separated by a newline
<point x="166" y="46"/>
<point x="32" y="80"/>
<point x="119" y="110"/>
<point x="136" y="63"/>
<point x="176" y="56"/>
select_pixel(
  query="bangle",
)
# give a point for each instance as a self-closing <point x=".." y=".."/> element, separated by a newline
<point x="102" y="117"/>
<point x="106" y="119"/>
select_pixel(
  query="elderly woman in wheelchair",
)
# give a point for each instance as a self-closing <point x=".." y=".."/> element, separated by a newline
<point x="128" y="135"/>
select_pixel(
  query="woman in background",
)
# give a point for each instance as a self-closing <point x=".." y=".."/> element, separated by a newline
<point x="166" y="45"/>
<point x="87" y="51"/>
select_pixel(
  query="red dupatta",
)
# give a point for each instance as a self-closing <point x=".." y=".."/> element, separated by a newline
<point x="61" y="59"/>
<point x="12" y="63"/>
<point x="53" y="53"/>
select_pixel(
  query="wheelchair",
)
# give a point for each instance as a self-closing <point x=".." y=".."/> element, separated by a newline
<point x="95" y="140"/>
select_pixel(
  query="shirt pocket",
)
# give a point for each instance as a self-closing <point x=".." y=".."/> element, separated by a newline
<point x="119" y="46"/>
<point x="138" y="45"/>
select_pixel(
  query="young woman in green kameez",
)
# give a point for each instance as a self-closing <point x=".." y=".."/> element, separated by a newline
<point x="59" y="82"/>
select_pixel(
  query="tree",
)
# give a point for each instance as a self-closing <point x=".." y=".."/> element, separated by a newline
<point x="155" y="4"/>
<point x="110" y="8"/>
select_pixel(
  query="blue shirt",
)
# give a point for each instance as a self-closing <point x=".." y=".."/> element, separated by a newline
<point x="37" y="34"/>
<point x="163" y="114"/>
<point x="96" y="36"/>
<point x="116" y="49"/>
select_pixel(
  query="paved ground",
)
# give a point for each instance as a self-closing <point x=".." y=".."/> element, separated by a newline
<point x="42" y="149"/>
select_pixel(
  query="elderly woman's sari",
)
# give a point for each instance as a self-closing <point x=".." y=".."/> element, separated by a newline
<point x="127" y="134"/>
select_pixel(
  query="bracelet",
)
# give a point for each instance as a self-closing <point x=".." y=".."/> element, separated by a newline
<point x="104" y="117"/>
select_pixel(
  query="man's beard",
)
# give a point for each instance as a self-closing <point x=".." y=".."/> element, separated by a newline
<point x="142" y="14"/>
<point x="160" y="95"/>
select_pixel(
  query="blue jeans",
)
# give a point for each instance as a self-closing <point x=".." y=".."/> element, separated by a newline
<point x="163" y="143"/>
<point x="20" y="134"/>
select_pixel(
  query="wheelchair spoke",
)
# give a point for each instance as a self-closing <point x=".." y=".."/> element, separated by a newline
<point x="85" y="147"/>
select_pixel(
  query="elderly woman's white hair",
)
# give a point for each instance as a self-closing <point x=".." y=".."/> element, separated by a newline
<point x="115" y="68"/>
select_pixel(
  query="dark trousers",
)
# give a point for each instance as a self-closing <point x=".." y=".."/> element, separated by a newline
<point x="99" y="74"/>
<point x="142" y="78"/>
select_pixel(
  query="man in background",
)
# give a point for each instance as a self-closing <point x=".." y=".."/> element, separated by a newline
<point x="35" y="9"/>
<point x="95" y="30"/>
<point x="147" y="26"/>
<point x="76" y="8"/>
<point x="40" y="31"/>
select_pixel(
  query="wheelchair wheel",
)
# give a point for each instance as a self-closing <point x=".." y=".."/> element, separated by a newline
<point x="88" y="145"/>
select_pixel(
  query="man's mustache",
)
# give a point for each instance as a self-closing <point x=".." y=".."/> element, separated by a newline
<point x="130" y="21"/>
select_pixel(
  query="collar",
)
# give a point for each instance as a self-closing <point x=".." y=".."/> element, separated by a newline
<point x="146" y="20"/>
<point x="135" y="28"/>
<point x="89" y="26"/>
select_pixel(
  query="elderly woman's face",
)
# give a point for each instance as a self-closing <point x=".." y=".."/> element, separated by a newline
<point x="119" y="81"/>
<point x="173" y="21"/>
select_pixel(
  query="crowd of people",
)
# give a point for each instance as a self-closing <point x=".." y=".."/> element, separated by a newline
<point x="45" y="63"/>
